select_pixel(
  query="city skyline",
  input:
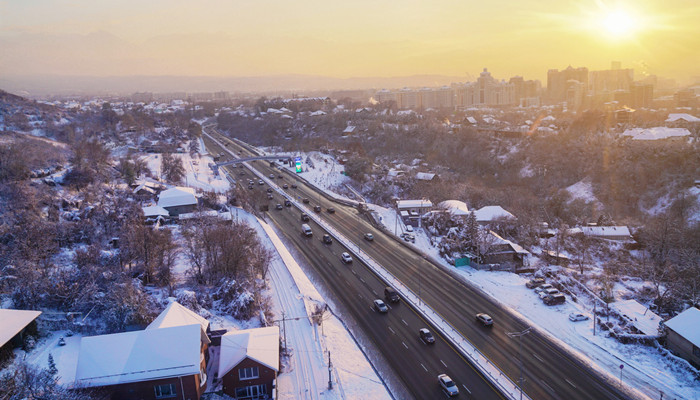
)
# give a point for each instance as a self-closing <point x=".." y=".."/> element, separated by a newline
<point x="361" y="39"/>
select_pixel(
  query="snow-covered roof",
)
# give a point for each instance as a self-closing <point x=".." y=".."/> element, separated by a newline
<point x="260" y="344"/>
<point x="641" y="317"/>
<point x="154" y="211"/>
<point x="471" y="120"/>
<point x="413" y="203"/>
<point x="143" y="187"/>
<point x="316" y="113"/>
<point x="606" y="231"/>
<point x="500" y="240"/>
<point x="425" y="176"/>
<point x="395" y="173"/>
<point x="659" y="132"/>
<point x="209" y="213"/>
<point x="139" y="356"/>
<point x="13" y="321"/>
<point x="177" y="196"/>
<point x="349" y="129"/>
<point x="682" y="116"/>
<point x="686" y="324"/>
<point x="491" y="213"/>
<point x="175" y="314"/>
<point x="456" y="207"/>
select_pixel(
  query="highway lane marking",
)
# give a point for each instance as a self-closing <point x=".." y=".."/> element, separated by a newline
<point x="404" y="345"/>
<point x="538" y="357"/>
<point x="426" y="369"/>
<point x="363" y="281"/>
<point x="375" y="292"/>
<point x="443" y="363"/>
<point x="404" y="322"/>
<point x="546" y="386"/>
<point x="467" y="389"/>
<point x="392" y="331"/>
<point x="570" y="383"/>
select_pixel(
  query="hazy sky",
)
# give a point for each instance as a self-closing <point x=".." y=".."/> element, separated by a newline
<point x="351" y="38"/>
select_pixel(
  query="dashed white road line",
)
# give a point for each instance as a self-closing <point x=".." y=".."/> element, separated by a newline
<point x="404" y="345"/>
<point x="404" y="322"/>
<point x="392" y="331"/>
<point x="537" y="357"/>
<point x="443" y="363"/>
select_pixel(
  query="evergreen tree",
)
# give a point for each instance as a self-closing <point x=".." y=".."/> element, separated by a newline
<point x="52" y="366"/>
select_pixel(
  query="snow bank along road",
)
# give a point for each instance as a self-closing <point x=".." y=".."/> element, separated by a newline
<point x="550" y="371"/>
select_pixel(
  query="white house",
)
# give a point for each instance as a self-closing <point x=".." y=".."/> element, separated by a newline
<point x="488" y="214"/>
<point x="178" y="200"/>
<point x="683" y="335"/>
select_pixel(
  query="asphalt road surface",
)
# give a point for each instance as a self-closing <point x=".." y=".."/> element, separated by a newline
<point x="550" y="372"/>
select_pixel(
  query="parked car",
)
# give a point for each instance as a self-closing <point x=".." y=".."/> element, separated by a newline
<point x="485" y="319"/>
<point x="346" y="258"/>
<point x="531" y="284"/>
<point x="543" y="287"/>
<point x="305" y="200"/>
<point x="543" y="295"/>
<point x="327" y="239"/>
<point x="448" y="385"/>
<point x="391" y="294"/>
<point x="369" y="237"/>
<point x="409" y="228"/>
<point x="330" y="210"/>
<point x="305" y="217"/>
<point x="552" y="291"/>
<point x="380" y="306"/>
<point x="317" y="208"/>
<point x="426" y="336"/>
<point x="554" y="299"/>
<point x="577" y="317"/>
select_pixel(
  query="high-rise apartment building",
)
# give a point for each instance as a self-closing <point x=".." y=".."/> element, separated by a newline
<point x="486" y="91"/>
<point x="558" y="84"/>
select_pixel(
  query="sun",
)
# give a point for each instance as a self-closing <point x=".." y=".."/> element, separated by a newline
<point x="619" y="24"/>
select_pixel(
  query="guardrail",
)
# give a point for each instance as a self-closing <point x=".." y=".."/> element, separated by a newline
<point x="488" y="369"/>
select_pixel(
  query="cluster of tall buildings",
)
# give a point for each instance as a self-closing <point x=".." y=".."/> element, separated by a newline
<point x="578" y="88"/>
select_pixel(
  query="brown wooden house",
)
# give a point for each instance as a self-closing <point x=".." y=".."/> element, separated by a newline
<point x="249" y="362"/>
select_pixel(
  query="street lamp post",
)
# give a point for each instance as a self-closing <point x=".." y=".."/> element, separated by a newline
<point x="520" y="354"/>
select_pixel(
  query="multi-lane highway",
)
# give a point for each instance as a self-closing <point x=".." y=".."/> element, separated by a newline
<point x="550" y="372"/>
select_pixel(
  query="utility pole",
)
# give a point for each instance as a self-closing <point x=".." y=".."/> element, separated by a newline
<point x="520" y="354"/>
<point x="284" y="329"/>
<point x="330" y="367"/>
<point x="594" y="314"/>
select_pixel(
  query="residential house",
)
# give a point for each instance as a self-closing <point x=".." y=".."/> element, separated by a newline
<point x="161" y="363"/>
<point x="607" y="232"/>
<point x="491" y="214"/>
<point x="178" y="200"/>
<point x="155" y="214"/>
<point x="497" y="250"/>
<point x="249" y="363"/>
<point x="16" y="324"/>
<point x="427" y="176"/>
<point x="455" y="207"/>
<point x="414" y="208"/>
<point x="683" y="335"/>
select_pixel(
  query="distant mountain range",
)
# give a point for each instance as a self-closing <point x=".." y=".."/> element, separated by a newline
<point x="43" y="85"/>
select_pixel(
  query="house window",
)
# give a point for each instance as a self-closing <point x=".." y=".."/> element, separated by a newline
<point x="248" y="373"/>
<point x="165" y="391"/>
<point x="696" y="351"/>
<point x="249" y="392"/>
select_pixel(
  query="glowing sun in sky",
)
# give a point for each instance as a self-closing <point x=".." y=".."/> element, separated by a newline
<point x="619" y="24"/>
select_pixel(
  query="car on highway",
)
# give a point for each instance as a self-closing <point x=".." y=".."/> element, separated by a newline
<point x="425" y="336"/>
<point x="269" y="196"/>
<point x="380" y="306"/>
<point x="330" y="210"/>
<point x="250" y="186"/>
<point x="575" y="317"/>
<point x="543" y="287"/>
<point x="278" y="206"/>
<point x="272" y="176"/>
<point x="260" y="182"/>
<point x="317" y="208"/>
<point x="241" y="173"/>
<point x="287" y="203"/>
<point x="285" y="186"/>
<point x="531" y="284"/>
<point x="369" y="237"/>
<point x="346" y="258"/>
<point x="305" y="200"/>
<point x="269" y="190"/>
<point x="327" y="239"/>
<point x="294" y="185"/>
<point x="391" y="294"/>
<point x="448" y="385"/>
<point x="305" y="217"/>
<point x="485" y="319"/>
<point x="279" y="176"/>
<point x="306" y="230"/>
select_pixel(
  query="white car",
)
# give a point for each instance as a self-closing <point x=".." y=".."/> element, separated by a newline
<point x="409" y="228"/>
<point x="577" y="317"/>
<point x="380" y="306"/>
<point x="542" y="288"/>
<point x="448" y="385"/>
<point x="346" y="258"/>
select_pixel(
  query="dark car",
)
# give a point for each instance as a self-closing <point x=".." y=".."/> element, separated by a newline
<point x="269" y="190"/>
<point x="330" y="210"/>
<point x="305" y="200"/>
<point x="287" y="203"/>
<point x="305" y="217"/>
<point x="269" y="196"/>
<point x="426" y="336"/>
<point x="485" y="319"/>
<point x="327" y="239"/>
<point x="294" y="185"/>
<point x="391" y="294"/>
<point x="279" y="176"/>
<point x="285" y="186"/>
<point x="278" y="206"/>
<point x="317" y="208"/>
<point x="250" y="186"/>
<point x="535" y="283"/>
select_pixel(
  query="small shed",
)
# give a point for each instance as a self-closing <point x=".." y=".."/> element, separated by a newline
<point x="683" y="335"/>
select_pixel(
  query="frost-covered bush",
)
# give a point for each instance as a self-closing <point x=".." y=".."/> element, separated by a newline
<point x="234" y="297"/>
